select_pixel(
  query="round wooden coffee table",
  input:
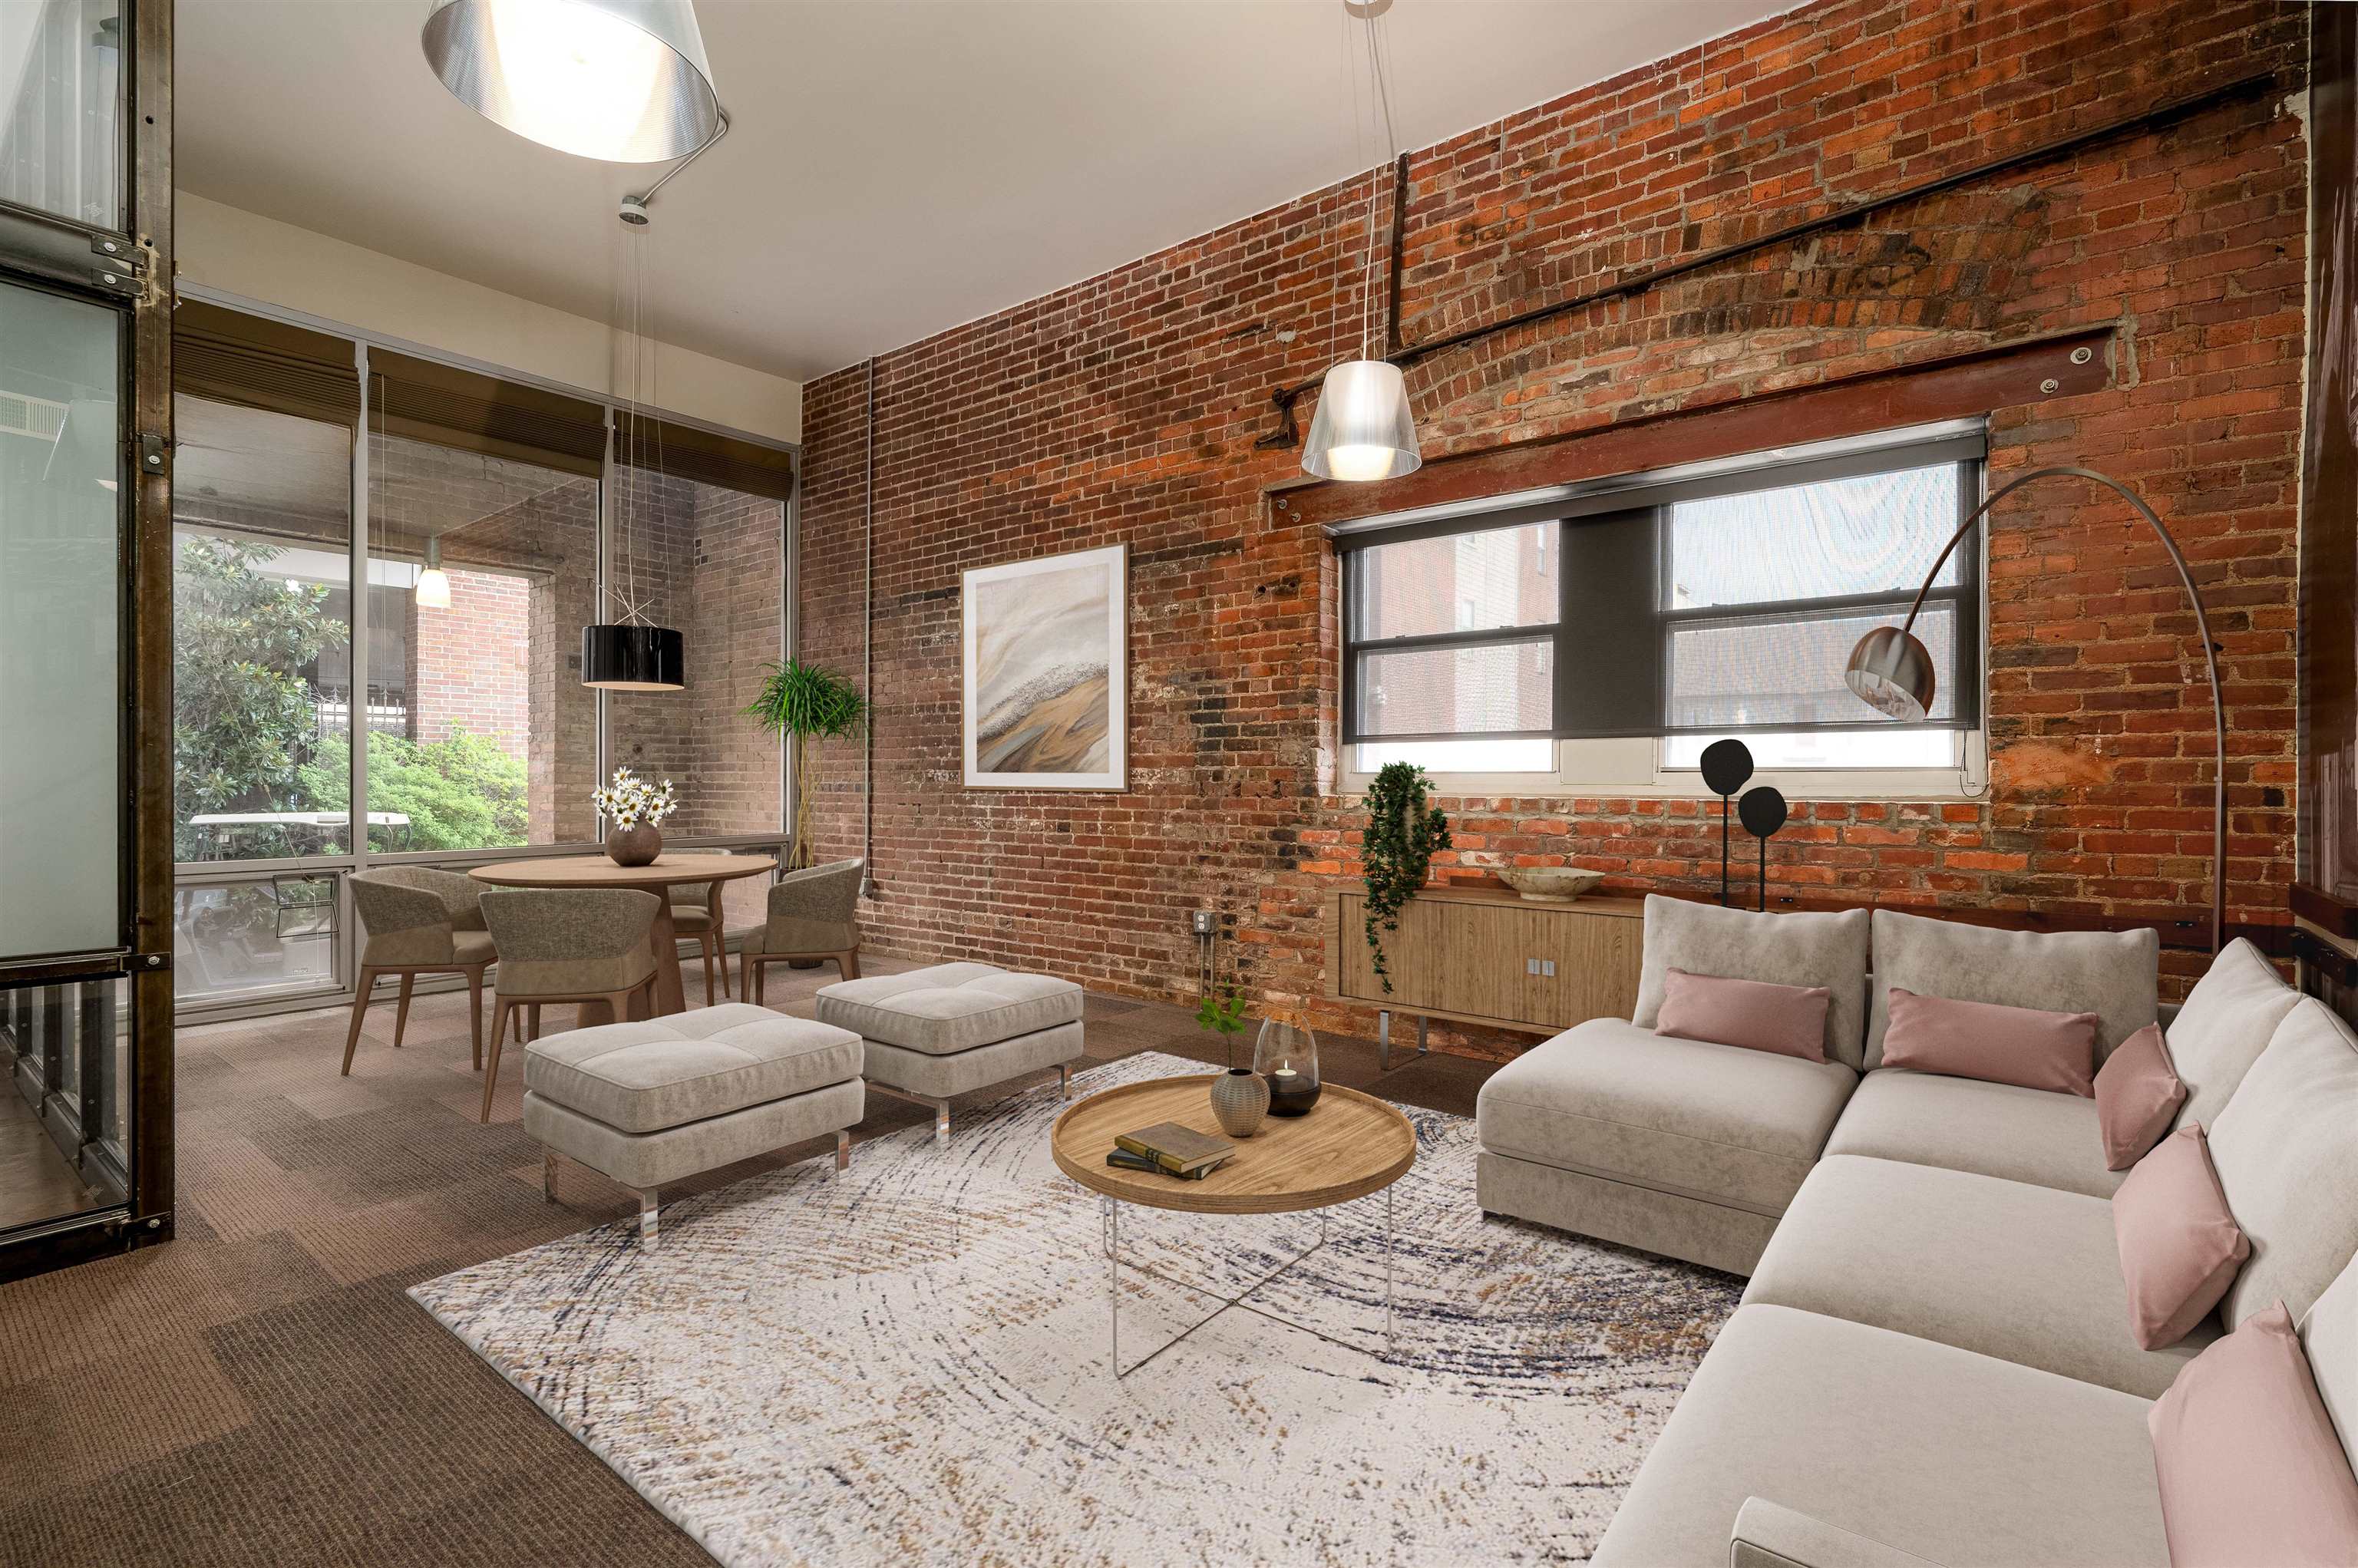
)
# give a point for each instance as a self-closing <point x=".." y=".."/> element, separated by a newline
<point x="665" y="871"/>
<point x="1350" y="1145"/>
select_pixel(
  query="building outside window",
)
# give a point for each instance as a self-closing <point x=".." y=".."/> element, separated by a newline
<point x="1601" y="640"/>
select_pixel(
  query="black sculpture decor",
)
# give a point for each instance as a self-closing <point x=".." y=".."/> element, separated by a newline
<point x="1762" y="812"/>
<point x="1726" y="765"/>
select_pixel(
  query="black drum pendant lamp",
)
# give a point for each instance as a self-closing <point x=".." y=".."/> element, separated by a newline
<point x="631" y="657"/>
<point x="633" y="654"/>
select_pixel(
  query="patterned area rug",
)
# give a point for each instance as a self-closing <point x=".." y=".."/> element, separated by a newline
<point x="909" y="1365"/>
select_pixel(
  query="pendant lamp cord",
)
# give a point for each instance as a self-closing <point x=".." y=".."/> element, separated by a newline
<point x="1383" y="105"/>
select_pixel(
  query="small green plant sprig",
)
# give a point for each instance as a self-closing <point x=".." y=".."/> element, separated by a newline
<point x="1404" y="832"/>
<point x="1223" y="1015"/>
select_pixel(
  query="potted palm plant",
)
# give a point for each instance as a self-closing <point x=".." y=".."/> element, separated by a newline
<point x="809" y="705"/>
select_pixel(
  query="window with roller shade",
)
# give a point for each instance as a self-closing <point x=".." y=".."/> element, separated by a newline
<point x="1676" y="611"/>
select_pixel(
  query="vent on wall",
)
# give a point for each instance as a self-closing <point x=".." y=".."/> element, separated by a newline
<point x="22" y="413"/>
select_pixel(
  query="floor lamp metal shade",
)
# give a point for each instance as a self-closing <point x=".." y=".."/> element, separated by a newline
<point x="1891" y="672"/>
<point x="619" y="80"/>
<point x="634" y="659"/>
<point x="1363" y="430"/>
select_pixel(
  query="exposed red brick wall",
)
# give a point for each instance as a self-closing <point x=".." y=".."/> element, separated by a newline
<point x="1127" y="408"/>
<point x="470" y="664"/>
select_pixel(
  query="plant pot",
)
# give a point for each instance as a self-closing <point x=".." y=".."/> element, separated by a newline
<point x="635" y="846"/>
<point x="1239" y="1099"/>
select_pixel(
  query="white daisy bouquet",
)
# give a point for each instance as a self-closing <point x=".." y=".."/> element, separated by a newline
<point x="629" y="800"/>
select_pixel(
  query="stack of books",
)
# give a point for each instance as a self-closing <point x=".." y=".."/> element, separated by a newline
<point x="1171" y="1150"/>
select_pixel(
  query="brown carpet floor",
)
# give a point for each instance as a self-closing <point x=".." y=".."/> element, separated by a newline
<point x="259" y="1391"/>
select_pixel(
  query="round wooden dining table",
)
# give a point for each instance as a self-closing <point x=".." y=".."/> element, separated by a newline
<point x="663" y="873"/>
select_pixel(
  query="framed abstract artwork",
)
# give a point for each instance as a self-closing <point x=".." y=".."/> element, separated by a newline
<point x="1047" y="672"/>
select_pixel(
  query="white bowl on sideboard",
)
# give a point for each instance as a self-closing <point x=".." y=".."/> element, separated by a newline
<point x="1548" y="884"/>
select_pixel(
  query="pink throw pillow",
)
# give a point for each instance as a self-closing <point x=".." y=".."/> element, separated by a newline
<point x="2249" y="1468"/>
<point x="2138" y="1092"/>
<point x="1756" y="1014"/>
<point x="2019" y="1046"/>
<point x="2180" y="1247"/>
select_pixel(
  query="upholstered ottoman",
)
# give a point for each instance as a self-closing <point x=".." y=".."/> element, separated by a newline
<point x="663" y="1098"/>
<point x="933" y="1034"/>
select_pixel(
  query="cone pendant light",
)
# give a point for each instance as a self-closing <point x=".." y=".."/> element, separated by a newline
<point x="1364" y="428"/>
<point x="619" y="80"/>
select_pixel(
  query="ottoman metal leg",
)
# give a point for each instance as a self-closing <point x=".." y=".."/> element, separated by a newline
<point x="940" y="1108"/>
<point x="1064" y="1080"/>
<point x="647" y="1208"/>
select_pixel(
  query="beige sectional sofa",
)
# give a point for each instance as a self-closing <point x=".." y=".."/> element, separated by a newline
<point x="1932" y="1361"/>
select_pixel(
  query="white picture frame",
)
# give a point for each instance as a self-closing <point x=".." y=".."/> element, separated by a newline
<point x="1045" y="698"/>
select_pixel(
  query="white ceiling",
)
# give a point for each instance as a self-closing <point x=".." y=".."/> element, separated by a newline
<point x="897" y="167"/>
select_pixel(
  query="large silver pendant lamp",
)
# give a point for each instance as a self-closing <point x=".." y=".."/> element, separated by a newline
<point x="1364" y="428"/>
<point x="621" y="81"/>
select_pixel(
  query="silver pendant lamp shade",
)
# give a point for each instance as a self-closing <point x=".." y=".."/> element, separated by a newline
<point x="619" y="80"/>
<point x="1363" y="430"/>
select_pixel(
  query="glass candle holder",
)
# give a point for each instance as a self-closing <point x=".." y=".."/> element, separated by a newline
<point x="1286" y="1056"/>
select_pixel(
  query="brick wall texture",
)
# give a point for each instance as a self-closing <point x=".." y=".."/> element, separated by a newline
<point x="1126" y="408"/>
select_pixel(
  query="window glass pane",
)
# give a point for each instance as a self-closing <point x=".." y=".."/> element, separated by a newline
<point x="237" y="939"/>
<point x="61" y="695"/>
<point x="262" y="632"/>
<point x="1895" y="748"/>
<point x="480" y="732"/>
<point x="1872" y="534"/>
<point x="1788" y="671"/>
<point x="1458" y="691"/>
<point x="1521" y="756"/>
<point x="1462" y="582"/>
<point x="61" y="76"/>
<point x="710" y="563"/>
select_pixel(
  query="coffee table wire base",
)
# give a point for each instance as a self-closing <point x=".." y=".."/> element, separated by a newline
<point x="1109" y="1214"/>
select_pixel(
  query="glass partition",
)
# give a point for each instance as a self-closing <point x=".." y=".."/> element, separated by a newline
<point x="61" y="125"/>
<point x="60" y="632"/>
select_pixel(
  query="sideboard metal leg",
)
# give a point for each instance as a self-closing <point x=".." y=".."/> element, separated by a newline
<point x="1384" y="1039"/>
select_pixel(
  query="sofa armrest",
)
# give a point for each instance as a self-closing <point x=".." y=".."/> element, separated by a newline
<point x="1768" y="1536"/>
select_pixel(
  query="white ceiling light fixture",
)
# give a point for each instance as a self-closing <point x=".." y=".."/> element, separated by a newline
<point x="1364" y="430"/>
<point x="432" y="589"/>
<point x="619" y="80"/>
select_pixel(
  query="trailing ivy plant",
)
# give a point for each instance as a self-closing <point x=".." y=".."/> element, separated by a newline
<point x="1404" y="832"/>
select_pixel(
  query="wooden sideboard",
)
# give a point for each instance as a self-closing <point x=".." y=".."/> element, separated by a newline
<point x="1487" y="956"/>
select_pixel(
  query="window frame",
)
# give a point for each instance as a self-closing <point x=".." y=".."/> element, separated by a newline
<point x="1635" y="764"/>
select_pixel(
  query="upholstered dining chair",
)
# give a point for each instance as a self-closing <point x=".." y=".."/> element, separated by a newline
<point x="811" y="915"/>
<point x="573" y="945"/>
<point x="420" y="920"/>
<point x="696" y="911"/>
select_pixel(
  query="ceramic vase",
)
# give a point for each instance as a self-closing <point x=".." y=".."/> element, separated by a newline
<point x="637" y="845"/>
<point x="1239" y="1099"/>
<point x="1287" y="1055"/>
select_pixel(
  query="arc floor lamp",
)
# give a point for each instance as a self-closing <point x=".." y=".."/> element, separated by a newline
<point x="1892" y="671"/>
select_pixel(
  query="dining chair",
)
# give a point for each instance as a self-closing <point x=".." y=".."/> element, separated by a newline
<point x="811" y="915"/>
<point x="696" y="911"/>
<point x="420" y="920"/>
<point x="573" y="945"/>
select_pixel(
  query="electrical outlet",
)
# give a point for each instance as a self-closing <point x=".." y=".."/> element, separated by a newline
<point x="1203" y="922"/>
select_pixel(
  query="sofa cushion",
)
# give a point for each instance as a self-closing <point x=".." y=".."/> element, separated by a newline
<point x="1758" y="1015"/>
<point x="2026" y="1274"/>
<point x="2330" y="1333"/>
<point x="2222" y="1026"/>
<point x="666" y="1072"/>
<point x="2114" y="975"/>
<point x="1965" y="1459"/>
<point x="1964" y="1124"/>
<point x="1802" y="949"/>
<point x="2179" y="1248"/>
<point x="2138" y="1096"/>
<point x="950" y="1007"/>
<point x="2027" y="1046"/>
<point x="2287" y="1152"/>
<point x="2248" y="1464"/>
<point x="1714" y="1122"/>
